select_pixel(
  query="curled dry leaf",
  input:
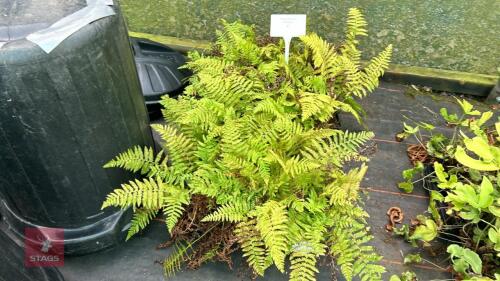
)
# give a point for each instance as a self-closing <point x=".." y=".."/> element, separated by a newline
<point x="395" y="215"/>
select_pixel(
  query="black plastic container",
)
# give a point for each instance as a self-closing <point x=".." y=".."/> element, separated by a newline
<point x="159" y="73"/>
<point x="63" y="115"/>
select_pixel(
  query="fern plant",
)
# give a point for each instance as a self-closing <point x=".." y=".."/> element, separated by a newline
<point x="253" y="134"/>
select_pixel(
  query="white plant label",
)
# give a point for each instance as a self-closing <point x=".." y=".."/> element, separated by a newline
<point x="288" y="26"/>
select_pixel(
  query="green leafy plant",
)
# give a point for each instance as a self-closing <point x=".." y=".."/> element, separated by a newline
<point x="464" y="259"/>
<point x="412" y="258"/>
<point x="253" y="136"/>
<point x="466" y="171"/>
<point x="405" y="276"/>
<point x="409" y="175"/>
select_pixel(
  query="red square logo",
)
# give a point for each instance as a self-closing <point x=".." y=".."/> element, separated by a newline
<point x="43" y="247"/>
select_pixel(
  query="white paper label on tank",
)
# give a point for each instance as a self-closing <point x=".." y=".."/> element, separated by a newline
<point x="288" y="26"/>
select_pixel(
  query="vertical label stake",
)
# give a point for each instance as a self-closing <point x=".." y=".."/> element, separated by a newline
<point x="288" y="26"/>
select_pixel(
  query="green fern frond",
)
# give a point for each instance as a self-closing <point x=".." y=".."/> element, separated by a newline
<point x="200" y="63"/>
<point x="356" y="26"/>
<point x="350" y="141"/>
<point x="272" y="224"/>
<point x="307" y="233"/>
<point x="148" y="193"/>
<point x="232" y="141"/>
<point x="180" y="148"/>
<point x="204" y="181"/>
<point x="317" y="135"/>
<point x="206" y="115"/>
<point x="253" y="246"/>
<point x="338" y="148"/>
<point x="271" y="107"/>
<point x="356" y="23"/>
<point x="376" y="68"/>
<point x="303" y="266"/>
<point x="323" y="53"/>
<point x="212" y="182"/>
<point x="140" y="159"/>
<point x="233" y="90"/>
<point x="173" y="205"/>
<point x="316" y="105"/>
<point x="207" y="150"/>
<point x="237" y="43"/>
<point x="140" y="220"/>
<point x="322" y="107"/>
<point x="348" y="245"/>
<point x="173" y="109"/>
<point x="174" y="261"/>
<point x="234" y="211"/>
<point x="355" y="85"/>
<point x="344" y="190"/>
<point x="294" y="166"/>
<point x="269" y="69"/>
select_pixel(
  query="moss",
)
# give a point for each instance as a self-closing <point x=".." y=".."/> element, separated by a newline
<point x="178" y="44"/>
<point x="461" y="77"/>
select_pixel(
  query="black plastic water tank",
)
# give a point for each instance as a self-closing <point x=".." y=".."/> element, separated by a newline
<point x="63" y="114"/>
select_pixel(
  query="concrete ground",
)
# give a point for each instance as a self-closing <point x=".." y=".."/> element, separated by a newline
<point x="385" y="108"/>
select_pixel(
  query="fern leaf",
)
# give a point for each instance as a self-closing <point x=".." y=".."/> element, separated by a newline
<point x="237" y="43"/>
<point x="269" y="106"/>
<point x="347" y="245"/>
<point x="140" y="220"/>
<point x="173" y="205"/>
<point x="272" y="224"/>
<point x="376" y="68"/>
<point x="356" y="26"/>
<point x="205" y="115"/>
<point x="321" y="107"/>
<point x="140" y="159"/>
<point x="173" y="109"/>
<point x="344" y="190"/>
<point x="174" y="261"/>
<point x="303" y="266"/>
<point x="179" y="147"/>
<point x="232" y="141"/>
<point x="340" y="147"/>
<point x="147" y="193"/>
<point x="253" y="246"/>
<point x="323" y="53"/>
<point x="232" y="211"/>
<point x="200" y="63"/>
<point x="350" y="141"/>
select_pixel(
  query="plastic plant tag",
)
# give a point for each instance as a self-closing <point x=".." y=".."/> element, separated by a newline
<point x="288" y="26"/>
<point x="100" y="2"/>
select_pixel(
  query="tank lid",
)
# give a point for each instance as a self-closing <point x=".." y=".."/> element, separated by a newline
<point x="19" y="18"/>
